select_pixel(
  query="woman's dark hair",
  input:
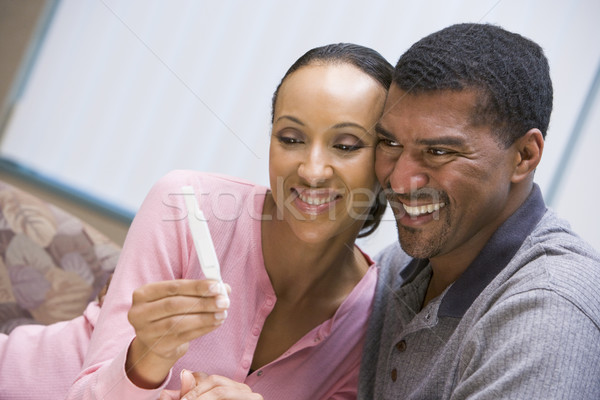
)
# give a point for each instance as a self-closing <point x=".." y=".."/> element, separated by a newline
<point x="367" y="60"/>
<point x="371" y="63"/>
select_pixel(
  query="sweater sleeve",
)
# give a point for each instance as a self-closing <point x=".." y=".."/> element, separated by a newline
<point x="30" y="351"/>
<point x="155" y="249"/>
<point x="536" y="344"/>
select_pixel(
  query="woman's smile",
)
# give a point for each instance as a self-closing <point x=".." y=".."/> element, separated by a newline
<point x="315" y="201"/>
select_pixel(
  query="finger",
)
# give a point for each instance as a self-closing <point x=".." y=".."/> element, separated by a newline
<point x="176" y="305"/>
<point x="206" y="382"/>
<point x="199" y="375"/>
<point x="188" y="381"/>
<point x="177" y="287"/>
<point x="227" y="288"/>
<point x="221" y="393"/>
<point x="169" y="395"/>
<point x="172" y="332"/>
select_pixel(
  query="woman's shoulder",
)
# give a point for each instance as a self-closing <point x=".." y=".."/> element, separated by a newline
<point x="182" y="177"/>
<point x="204" y="183"/>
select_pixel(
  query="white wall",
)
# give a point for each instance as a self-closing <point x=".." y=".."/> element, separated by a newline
<point x="124" y="91"/>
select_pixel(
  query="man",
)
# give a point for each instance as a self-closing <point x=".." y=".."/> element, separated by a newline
<point x="499" y="298"/>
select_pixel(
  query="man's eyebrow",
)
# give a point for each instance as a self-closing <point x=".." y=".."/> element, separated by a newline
<point x="289" y="117"/>
<point x="381" y="131"/>
<point x="443" y="141"/>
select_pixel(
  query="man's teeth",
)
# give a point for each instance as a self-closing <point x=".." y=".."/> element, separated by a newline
<point x="425" y="209"/>
<point x="315" y="201"/>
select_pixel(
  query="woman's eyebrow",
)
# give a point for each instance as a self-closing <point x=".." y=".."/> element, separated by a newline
<point x="349" y="125"/>
<point x="289" y="117"/>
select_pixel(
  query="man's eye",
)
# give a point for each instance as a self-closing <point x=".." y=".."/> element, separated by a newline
<point x="438" y="152"/>
<point x="388" y="143"/>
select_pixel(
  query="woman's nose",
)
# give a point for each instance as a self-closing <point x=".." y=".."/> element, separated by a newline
<point x="316" y="168"/>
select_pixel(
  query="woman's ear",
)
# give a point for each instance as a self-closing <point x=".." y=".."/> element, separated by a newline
<point x="529" y="149"/>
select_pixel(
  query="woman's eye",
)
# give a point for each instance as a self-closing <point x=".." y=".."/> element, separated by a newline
<point x="348" y="147"/>
<point x="288" y="140"/>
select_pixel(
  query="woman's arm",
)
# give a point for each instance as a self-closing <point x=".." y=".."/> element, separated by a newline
<point x="157" y="248"/>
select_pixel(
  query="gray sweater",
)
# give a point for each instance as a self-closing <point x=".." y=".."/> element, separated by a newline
<point x="522" y="322"/>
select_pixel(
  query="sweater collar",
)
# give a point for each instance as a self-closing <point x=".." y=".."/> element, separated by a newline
<point x="494" y="256"/>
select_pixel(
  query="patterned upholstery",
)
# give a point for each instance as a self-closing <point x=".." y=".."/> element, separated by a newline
<point x="51" y="263"/>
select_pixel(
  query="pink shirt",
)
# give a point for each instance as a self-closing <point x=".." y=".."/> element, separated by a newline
<point x="322" y="365"/>
<point x="41" y="362"/>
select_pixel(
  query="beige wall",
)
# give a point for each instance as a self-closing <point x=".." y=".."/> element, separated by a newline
<point x="18" y="21"/>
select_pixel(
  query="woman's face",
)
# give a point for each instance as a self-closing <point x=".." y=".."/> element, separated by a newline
<point x="322" y="149"/>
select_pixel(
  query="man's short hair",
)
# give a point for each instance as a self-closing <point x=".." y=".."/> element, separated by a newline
<point x="509" y="72"/>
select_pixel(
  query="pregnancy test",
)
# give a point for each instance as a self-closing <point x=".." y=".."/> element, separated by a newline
<point x="201" y="236"/>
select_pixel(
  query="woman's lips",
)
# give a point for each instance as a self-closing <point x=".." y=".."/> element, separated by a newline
<point x="315" y="201"/>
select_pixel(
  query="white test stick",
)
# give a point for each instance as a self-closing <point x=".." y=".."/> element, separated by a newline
<point x="201" y="236"/>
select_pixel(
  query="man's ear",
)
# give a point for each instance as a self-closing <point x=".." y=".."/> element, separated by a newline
<point x="529" y="149"/>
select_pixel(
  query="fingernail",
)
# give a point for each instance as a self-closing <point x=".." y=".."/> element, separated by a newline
<point x="222" y="302"/>
<point x="190" y="377"/>
<point x="215" y="288"/>
<point x="221" y="315"/>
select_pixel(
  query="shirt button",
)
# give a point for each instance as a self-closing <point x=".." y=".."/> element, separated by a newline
<point x="256" y="331"/>
<point x="246" y="364"/>
<point x="394" y="375"/>
<point x="259" y="373"/>
<point x="401" y="345"/>
<point x="269" y="302"/>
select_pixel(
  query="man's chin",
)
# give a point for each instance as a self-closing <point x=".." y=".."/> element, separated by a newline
<point x="417" y="246"/>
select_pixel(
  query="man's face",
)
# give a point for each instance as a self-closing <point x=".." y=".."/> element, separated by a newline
<point x="448" y="181"/>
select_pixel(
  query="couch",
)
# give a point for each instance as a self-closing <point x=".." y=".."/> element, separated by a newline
<point x="52" y="264"/>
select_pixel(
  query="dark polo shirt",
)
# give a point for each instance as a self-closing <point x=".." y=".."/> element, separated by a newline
<point x="424" y="353"/>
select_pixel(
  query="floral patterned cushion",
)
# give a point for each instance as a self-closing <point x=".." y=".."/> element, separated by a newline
<point x="52" y="264"/>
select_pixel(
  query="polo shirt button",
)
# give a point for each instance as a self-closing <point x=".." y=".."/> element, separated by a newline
<point x="394" y="375"/>
<point x="259" y="373"/>
<point x="246" y="364"/>
<point x="401" y="345"/>
<point x="256" y="331"/>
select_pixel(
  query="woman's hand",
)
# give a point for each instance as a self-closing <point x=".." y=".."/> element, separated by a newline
<point x="166" y="316"/>
<point x="200" y="386"/>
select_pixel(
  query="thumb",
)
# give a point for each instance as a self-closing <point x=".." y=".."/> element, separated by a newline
<point x="169" y="395"/>
<point x="188" y="381"/>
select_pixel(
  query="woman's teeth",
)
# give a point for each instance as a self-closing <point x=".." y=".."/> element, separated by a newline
<point x="315" y="201"/>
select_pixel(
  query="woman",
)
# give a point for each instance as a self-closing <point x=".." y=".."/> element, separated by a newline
<point x="300" y="290"/>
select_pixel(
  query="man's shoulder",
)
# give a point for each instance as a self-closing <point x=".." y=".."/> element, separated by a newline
<point x="560" y="247"/>
<point x="555" y="258"/>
